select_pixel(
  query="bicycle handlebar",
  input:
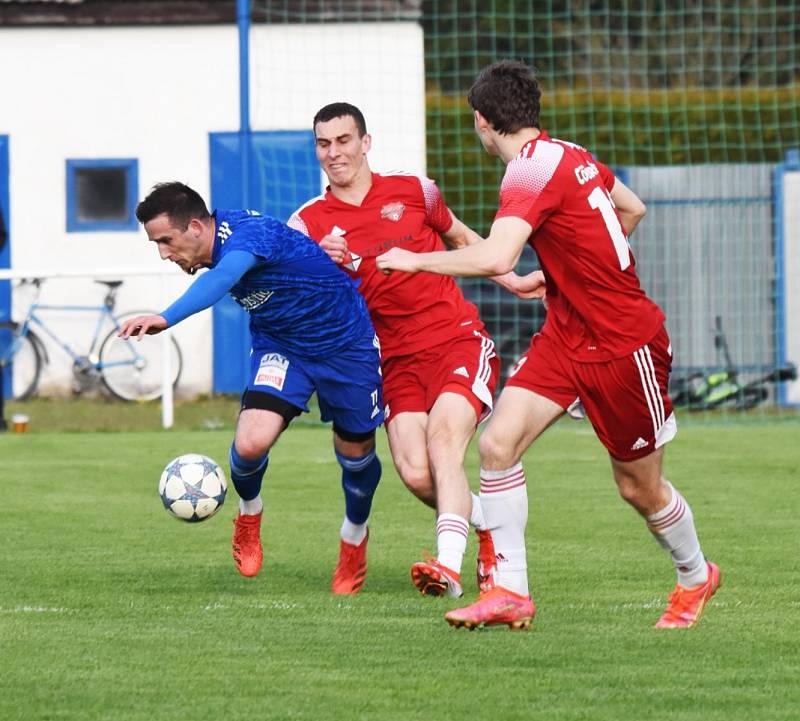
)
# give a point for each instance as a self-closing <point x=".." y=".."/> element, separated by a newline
<point x="109" y="301"/>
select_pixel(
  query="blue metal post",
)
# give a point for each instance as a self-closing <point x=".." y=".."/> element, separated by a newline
<point x="243" y="22"/>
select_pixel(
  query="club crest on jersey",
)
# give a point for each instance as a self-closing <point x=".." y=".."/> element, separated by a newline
<point x="393" y="211"/>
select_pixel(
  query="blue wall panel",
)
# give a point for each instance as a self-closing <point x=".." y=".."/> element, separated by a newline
<point x="282" y="174"/>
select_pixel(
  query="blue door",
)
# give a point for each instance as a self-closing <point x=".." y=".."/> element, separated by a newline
<point x="283" y="174"/>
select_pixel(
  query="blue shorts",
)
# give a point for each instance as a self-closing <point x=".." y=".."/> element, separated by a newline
<point x="348" y="384"/>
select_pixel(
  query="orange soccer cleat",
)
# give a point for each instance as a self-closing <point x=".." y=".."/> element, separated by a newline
<point x="246" y="544"/>
<point x="495" y="606"/>
<point x="486" y="560"/>
<point x="433" y="579"/>
<point x="686" y="604"/>
<point x="352" y="567"/>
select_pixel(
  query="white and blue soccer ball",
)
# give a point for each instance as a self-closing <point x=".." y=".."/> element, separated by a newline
<point x="192" y="487"/>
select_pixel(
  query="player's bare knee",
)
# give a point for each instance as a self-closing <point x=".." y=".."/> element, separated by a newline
<point x="628" y="490"/>
<point x="250" y="445"/>
<point x="646" y="495"/>
<point x="495" y="452"/>
<point x="416" y="477"/>
<point x="447" y="445"/>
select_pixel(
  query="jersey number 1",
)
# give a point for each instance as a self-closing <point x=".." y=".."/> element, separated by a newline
<point x="599" y="199"/>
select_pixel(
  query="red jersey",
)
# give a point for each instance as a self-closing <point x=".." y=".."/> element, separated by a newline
<point x="410" y="311"/>
<point x="596" y="309"/>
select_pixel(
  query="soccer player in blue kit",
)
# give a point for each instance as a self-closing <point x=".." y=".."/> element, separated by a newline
<point x="310" y="332"/>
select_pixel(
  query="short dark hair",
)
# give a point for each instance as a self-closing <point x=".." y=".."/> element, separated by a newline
<point x="341" y="110"/>
<point x="507" y="94"/>
<point x="177" y="200"/>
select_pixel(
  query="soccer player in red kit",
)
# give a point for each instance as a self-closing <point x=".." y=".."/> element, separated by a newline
<point x="439" y="364"/>
<point x="603" y="344"/>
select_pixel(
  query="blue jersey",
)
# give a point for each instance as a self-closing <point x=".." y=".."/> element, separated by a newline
<point x="295" y="294"/>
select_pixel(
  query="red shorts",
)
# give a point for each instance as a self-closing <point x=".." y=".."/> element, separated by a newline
<point x="467" y="365"/>
<point x="625" y="399"/>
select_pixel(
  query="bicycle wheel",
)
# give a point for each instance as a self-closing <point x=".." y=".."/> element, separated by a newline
<point x="20" y="360"/>
<point x="133" y="370"/>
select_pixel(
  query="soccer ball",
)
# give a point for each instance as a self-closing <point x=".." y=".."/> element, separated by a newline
<point x="192" y="487"/>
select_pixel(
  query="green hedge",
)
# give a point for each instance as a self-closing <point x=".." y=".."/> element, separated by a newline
<point x="659" y="127"/>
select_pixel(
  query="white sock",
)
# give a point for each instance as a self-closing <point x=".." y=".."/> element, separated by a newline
<point x="673" y="528"/>
<point x="504" y="499"/>
<point x="252" y="507"/>
<point x="476" y="519"/>
<point x="451" y="539"/>
<point x="353" y="533"/>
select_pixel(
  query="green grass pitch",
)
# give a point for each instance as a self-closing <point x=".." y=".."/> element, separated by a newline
<point x="110" y="609"/>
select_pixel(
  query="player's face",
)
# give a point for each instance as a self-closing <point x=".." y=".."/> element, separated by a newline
<point x="341" y="152"/>
<point x="182" y="247"/>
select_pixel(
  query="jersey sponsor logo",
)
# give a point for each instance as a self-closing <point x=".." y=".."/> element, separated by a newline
<point x="393" y="211"/>
<point x="224" y="231"/>
<point x="584" y="173"/>
<point x="254" y="300"/>
<point x="272" y="370"/>
<point x="385" y="245"/>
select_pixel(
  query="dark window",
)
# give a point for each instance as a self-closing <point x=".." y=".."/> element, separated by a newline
<point x="101" y="195"/>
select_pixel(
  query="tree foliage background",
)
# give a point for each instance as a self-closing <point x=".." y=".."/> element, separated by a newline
<point x="638" y="82"/>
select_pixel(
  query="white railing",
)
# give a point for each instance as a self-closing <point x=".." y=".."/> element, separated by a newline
<point x="167" y="398"/>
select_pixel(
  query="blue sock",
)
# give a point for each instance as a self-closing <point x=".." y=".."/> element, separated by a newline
<point x="360" y="478"/>
<point x="247" y="474"/>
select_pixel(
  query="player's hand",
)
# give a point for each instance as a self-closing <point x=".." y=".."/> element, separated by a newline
<point x="142" y="325"/>
<point x="336" y="248"/>
<point x="397" y="259"/>
<point x="531" y="285"/>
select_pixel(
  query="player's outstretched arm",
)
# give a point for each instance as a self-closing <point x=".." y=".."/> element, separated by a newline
<point x="629" y="206"/>
<point x="203" y="293"/>
<point x="528" y="286"/>
<point x="497" y="255"/>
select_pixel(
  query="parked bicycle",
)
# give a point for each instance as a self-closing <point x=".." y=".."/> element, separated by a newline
<point x="130" y="370"/>
<point x="721" y="387"/>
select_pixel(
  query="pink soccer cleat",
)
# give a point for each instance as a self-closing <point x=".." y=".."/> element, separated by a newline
<point x="494" y="607"/>
<point x="686" y="604"/>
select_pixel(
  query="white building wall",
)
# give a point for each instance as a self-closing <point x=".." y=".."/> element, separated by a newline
<point x="297" y="69"/>
<point x="155" y="94"/>
<point x="791" y="269"/>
